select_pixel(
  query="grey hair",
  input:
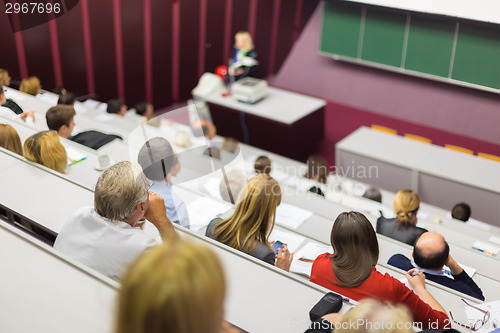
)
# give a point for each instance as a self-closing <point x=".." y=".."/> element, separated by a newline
<point x="237" y="181"/>
<point x="119" y="190"/>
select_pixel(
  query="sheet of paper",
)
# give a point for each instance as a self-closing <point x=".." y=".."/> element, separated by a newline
<point x="291" y="216"/>
<point x="494" y="239"/>
<point x="212" y="187"/>
<point x="74" y="156"/>
<point x="485" y="248"/>
<point x="479" y="224"/>
<point x="302" y="184"/>
<point x="202" y="210"/>
<point x="373" y="208"/>
<point x="292" y="240"/>
<point x="475" y="315"/>
<point x="304" y="257"/>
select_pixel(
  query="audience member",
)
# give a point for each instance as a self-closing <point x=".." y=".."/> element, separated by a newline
<point x="61" y="91"/>
<point x="116" y="106"/>
<point x="212" y="152"/>
<point x="231" y="186"/>
<point x="317" y="171"/>
<point x="145" y="109"/>
<point x="253" y="220"/>
<point x="178" y="287"/>
<point x="373" y="194"/>
<point x="351" y="271"/>
<point x="371" y="316"/>
<point x="10" y="109"/>
<point x="60" y="118"/>
<point x="403" y="227"/>
<point x="157" y="158"/>
<point x="109" y="236"/>
<point x="174" y="171"/>
<point x="9" y="139"/>
<point x="31" y="86"/>
<point x="430" y="254"/>
<point x="45" y="148"/>
<point x="461" y="211"/>
<point x="4" y="77"/>
<point x="204" y="128"/>
<point x="262" y="165"/>
<point x="230" y="145"/>
<point x="67" y="99"/>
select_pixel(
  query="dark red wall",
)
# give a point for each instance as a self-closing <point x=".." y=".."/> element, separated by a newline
<point x="116" y="61"/>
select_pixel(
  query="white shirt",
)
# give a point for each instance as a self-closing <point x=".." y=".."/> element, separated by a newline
<point x="102" y="244"/>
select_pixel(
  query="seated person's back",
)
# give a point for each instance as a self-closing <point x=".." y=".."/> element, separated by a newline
<point x="157" y="159"/>
<point x="403" y="227"/>
<point x="253" y="220"/>
<point x="109" y="236"/>
<point x="351" y="271"/>
<point x="430" y="254"/>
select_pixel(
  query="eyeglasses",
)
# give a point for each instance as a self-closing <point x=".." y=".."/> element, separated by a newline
<point x="478" y="323"/>
<point x="150" y="184"/>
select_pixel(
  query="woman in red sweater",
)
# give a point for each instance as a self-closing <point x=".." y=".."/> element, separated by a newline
<point x="351" y="272"/>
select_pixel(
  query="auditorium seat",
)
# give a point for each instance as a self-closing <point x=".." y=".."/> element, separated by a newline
<point x="460" y="149"/>
<point x="418" y="138"/>
<point x="384" y="129"/>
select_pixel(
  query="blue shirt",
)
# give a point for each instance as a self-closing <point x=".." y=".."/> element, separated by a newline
<point x="176" y="208"/>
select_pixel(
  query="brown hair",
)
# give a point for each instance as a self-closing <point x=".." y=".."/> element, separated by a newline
<point x="59" y="115"/>
<point x="406" y="205"/>
<point x="45" y="148"/>
<point x="9" y="139"/>
<point x="30" y="86"/>
<point x="4" y="74"/>
<point x="316" y="168"/>
<point x="355" y="249"/>
<point x="262" y="165"/>
<point x="254" y="216"/>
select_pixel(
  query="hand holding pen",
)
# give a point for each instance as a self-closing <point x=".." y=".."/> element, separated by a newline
<point x="416" y="279"/>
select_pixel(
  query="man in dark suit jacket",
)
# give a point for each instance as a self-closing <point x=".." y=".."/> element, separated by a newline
<point x="431" y="253"/>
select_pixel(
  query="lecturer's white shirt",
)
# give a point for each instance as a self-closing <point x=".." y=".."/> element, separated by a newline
<point x="102" y="244"/>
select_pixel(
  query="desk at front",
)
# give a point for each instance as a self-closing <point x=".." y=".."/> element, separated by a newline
<point x="283" y="122"/>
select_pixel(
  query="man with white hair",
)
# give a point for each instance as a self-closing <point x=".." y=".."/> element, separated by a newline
<point x="109" y="236"/>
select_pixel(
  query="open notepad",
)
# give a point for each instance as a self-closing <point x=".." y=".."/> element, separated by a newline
<point x="202" y="210"/>
<point x="74" y="156"/>
<point x="304" y="258"/>
<point x="291" y="216"/>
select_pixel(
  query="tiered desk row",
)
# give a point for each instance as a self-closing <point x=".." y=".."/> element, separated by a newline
<point x="44" y="199"/>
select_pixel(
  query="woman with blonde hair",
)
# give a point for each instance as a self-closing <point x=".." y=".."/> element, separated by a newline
<point x="9" y="139"/>
<point x="31" y="86"/>
<point x="403" y="227"/>
<point x="350" y="271"/>
<point x="177" y="287"/>
<point x="243" y="49"/>
<point x="45" y="148"/>
<point x="248" y="229"/>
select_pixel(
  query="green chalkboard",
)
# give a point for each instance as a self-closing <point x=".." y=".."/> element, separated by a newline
<point x="447" y="49"/>
<point x="341" y="24"/>
<point x="430" y="46"/>
<point x="477" y="58"/>
<point x="383" y="37"/>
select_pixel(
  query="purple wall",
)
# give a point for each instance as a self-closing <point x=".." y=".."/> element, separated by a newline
<point x="149" y="49"/>
<point x="437" y="105"/>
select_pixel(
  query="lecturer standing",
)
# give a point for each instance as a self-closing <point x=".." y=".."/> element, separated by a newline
<point x="243" y="57"/>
